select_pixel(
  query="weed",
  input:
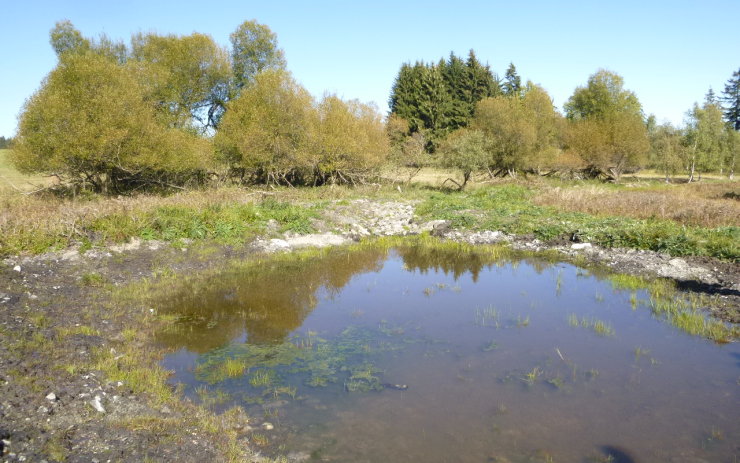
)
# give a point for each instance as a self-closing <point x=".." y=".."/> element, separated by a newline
<point x="92" y="279"/>
<point x="531" y="377"/>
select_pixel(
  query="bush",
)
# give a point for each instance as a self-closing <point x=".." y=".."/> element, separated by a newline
<point x="89" y="123"/>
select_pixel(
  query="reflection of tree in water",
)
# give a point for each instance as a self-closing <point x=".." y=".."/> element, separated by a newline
<point x="268" y="299"/>
<point x="454" y="261"/>
<point x="458" y="260"/>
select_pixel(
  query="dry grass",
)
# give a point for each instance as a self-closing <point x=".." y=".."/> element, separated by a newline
<point x="13" y="181"/>
<point x="702" y="204"/>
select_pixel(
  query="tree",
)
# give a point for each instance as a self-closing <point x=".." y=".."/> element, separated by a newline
<point x="267" y="131"/>
<point x="547" y="123"/>
<point x="731" y="100"/>
<point x="350" y="142"/>
<point x="438" y="99"/>
<point x="254" y="49"/>
<point x="609" y="145"/>
<point x="5" y="143"/>
<point x="64" y="38"/>
<point x="509" y="130"/>
<point x="705" y="150"/>
<point x="607" y="129"/>
<point x="603" y="95"/>
<point x="90" y="123"/>
<point x="513" y="83"/>
<point x="666" y="150"/>
<point x="465" y="150"/>
<point x="187" y="77"/>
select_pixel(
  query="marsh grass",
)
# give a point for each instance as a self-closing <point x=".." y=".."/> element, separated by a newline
<point x="600" y="327"/>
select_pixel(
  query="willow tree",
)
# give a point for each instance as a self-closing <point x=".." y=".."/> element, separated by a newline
<point x="465" y="150"/>
<point x="187" y="77"/>
<point x="607" y="129"/>
<point x="266" y="132"/>
<point x="350" y="141"/>
<point x="90" y="123"/>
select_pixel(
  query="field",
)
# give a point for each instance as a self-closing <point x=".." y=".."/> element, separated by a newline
<point x="12" y="180"/>
<point x="701" y="218"/>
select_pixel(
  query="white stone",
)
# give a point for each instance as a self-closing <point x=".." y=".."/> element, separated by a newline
<point x="267" y="426"/>
<point x="51" y="397"/>
<point x="17" y="268"/>
<point x="97" y="405"/>
<point x="578" y="246"/>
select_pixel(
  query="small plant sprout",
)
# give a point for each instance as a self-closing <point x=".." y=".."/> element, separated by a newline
<point x="639" y="352"/>
<point x="531" y="377"/>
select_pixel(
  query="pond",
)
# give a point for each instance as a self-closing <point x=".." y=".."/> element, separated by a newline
<point x="434" y="353"/>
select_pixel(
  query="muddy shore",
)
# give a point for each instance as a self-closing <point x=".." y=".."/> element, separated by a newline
<point x="58" y="319"/>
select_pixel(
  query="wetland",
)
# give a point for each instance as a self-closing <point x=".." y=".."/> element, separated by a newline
<point x="430" y="351"/>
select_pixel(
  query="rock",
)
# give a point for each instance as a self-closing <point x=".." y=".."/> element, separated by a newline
<point x="316" y="240"/>
<point x="132" y="245"/>
<point x="17" y="268"/>
<point x="70" y="255"/>
<point x="580" y="246"/>
<point x="267" y="426"/>
<point x="43" y="410"/>
<point x="51" y="397"/>
<point x="97" y="405"/>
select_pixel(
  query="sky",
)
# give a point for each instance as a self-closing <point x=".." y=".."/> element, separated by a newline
<point x="668" y="52"/>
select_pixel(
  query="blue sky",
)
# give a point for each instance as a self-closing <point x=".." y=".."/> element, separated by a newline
<point x="669" y="52"/>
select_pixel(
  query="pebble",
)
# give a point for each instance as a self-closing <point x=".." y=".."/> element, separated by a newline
<point x="17" y="268"/>
<point x="51" y="397"/>
<point x="97" y="405"/>
<point x="267" y="426"/>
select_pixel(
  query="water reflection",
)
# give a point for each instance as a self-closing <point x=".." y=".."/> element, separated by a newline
<point x="266" y="300"/>
<point x="500" y="360"/>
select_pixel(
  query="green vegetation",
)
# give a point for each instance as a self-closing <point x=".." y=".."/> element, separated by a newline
<point x="510" y="208"/>
<point x="598" y="326"/>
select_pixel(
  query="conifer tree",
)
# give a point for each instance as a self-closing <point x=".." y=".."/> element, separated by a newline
<point x="513" y="84"/>
<point x="731" y="100"/>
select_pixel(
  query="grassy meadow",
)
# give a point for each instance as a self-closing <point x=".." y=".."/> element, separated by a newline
<point x="701" y="218"/>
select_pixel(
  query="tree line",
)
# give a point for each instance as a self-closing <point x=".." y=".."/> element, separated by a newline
<point x="440" y="117"/>
<point x="168" y="110"/>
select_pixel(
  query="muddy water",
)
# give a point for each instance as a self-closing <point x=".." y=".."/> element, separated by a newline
<point x="415" y="355"/>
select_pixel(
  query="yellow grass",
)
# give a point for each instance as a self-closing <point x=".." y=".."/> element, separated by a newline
<point x="12" y="180"/>
<point x="699" y="204"/>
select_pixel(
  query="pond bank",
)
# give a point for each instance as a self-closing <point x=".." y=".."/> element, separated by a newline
<point x="79" y="376"/>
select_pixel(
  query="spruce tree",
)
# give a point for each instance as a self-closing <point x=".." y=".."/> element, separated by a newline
<point x="513" y="84"/>
<point x="731" y="100"/>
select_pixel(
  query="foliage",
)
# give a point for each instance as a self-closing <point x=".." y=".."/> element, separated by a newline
<point x="465" y="150"/>
<point x="513" y="83"/>
<point x="602" y="96"/>
<point x="521" y="133"/>
<point x="266" y="132"/>
<point x="186" y="77"/>
<point x="5" y="143"/>
<point x="64" y="38"/>
<point x="90" y="123"/>
<point x="350" y="141"/>
<point x="731" y="99"/>
<point x="253" y="49"/>
<point x="666" y="150"/>
<point x="705" y="150"/>
<point x="611" y="144"/>
<point x="274" y="133"/>
<point x="607" y="129"/>
<point x="440" y="98"/>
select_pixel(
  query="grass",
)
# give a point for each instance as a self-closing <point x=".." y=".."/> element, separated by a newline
<point x="695" y="219"/>
<point x="514" y="208"/>
<point x="600" y="327"/>
<point x="13" y="181"/>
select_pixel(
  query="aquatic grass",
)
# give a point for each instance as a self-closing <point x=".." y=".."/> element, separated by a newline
<point x="233" y="368"/>
<point x="488" y="316"/>
<point x="262" y="378"/>
<point x="598" y="326"/>
<point x="531" y="377"/>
